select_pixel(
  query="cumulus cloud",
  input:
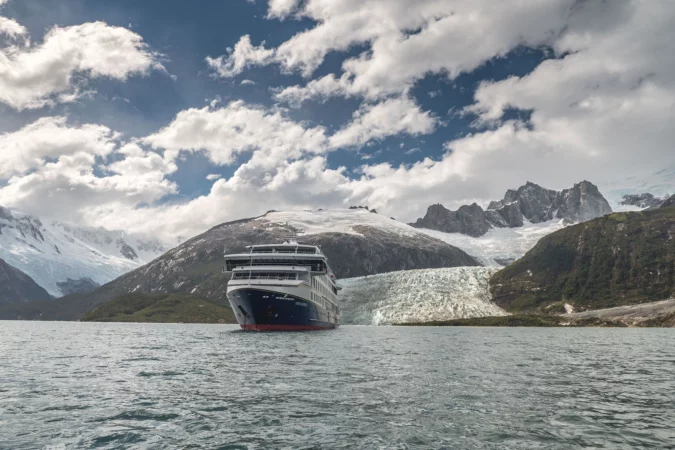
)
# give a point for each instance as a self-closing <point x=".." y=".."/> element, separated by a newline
<point x="50" y="138"/>
<point x="407" y="40"/>
<point x="11" y="28"/>
<point x="280" y="9"/>
<point x="384" y="119"/>
<point x="243" y="56"/>
<point x="223" y="133"/>
<point x="600" y="108"/>
<point x="56" y="169"/>
<point x="33" y="76"/>
<point x="213" y="176"/>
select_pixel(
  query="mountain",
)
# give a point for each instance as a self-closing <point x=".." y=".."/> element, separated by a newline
<point x="415" y="296"/>
<point x="620" y="259"/>
<point x="64" y="258"/>
<point x="645" y="200"/>
<point x="161" y="308"/>
<point x="357" y="242"/>
<point x="668" y="202"/>
<point x="531" y="203"/>
<point x="16" y="286"/>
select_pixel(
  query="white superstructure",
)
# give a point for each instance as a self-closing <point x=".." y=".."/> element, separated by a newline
<point x="292" y="269"/>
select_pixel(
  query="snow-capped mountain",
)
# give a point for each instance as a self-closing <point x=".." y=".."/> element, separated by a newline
<point x="16" y="286"/>
<point x="411" y="296"/>
<point x="64" y="258"/>
<point x="358" y="243"/>
<point x="529" y="203"/>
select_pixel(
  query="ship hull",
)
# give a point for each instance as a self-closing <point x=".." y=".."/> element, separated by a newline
<point x="266" y="310"/>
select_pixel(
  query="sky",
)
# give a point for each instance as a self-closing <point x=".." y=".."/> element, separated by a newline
<point x="167" y="117"/>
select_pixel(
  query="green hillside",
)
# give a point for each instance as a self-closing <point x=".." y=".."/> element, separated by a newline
<point x="619" y="259"/>
<point x="161" y="308"/>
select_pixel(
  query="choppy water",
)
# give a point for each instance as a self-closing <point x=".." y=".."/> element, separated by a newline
<point x="77" y="385"/>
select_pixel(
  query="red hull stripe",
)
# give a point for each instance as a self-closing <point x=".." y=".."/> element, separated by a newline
<point x="261" y="327"/>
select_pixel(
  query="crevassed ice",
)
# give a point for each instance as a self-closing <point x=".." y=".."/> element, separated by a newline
<point x="417" y="296"/>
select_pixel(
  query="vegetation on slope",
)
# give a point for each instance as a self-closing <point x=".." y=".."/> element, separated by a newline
<point x="162" y="308"/>
<point x="619" y="259"/>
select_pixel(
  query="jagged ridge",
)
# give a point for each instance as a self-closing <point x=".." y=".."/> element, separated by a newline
<point x="530" y="202"/>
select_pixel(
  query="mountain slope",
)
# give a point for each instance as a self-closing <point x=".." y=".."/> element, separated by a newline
<point x="413" y="296"/>
<point x="619" y="259"/>
<point x="16" y="286"/>
<point x="530" y="203"/>
<point x="53" y="253"/>
<point x="356" y="241"/>
<point x="160" y="308"/>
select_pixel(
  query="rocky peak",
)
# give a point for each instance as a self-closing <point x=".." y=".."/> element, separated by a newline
<point x="529" y="202"/>
<point x="580" y="203"/>
<point x="468" y="219"/>
<point x="669" y="202"/>
<point x="645" y="200"/>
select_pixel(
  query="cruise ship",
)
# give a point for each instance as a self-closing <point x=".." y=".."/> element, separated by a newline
<point x="283" y="287"/>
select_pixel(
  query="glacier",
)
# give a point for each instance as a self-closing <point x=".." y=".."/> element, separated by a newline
<point x="423" y="295"/>
<point x="52" y="252"/>
<point x="499" y="246"/>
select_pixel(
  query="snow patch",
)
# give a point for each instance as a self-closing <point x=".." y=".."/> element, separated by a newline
<point x="337" y="221"/>
<point x="423" y="295"/>
<point x="499" y="245"/>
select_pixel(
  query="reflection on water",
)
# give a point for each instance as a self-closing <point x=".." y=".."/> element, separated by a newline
<point x="86" y="385"/>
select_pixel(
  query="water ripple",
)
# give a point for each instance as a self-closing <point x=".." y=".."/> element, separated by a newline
<point x="79" y="385"/>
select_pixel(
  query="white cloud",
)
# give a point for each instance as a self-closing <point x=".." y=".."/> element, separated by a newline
<point x="280" y="9"/>
<point x="243" y="56"/>
<point x="58" y="170"/>
<point x="223" y="133"/>
<point x="33" y="76"/>
<point x="11" y="28"/>
<point x="247" y="83"/>
<point x="322" y="89"/>
<point x="214" y="176"/>
<point x="602" y="109"/>
<point x="407" y="40"/>
<point x="50" y="138"/>
<point x="388" y="118"/>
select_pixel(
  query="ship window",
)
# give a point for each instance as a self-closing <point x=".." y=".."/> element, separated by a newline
<point x="265" y="276"/>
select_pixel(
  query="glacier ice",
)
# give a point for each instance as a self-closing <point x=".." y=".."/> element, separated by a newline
<point x="499" y="245"/>
<point x="423" y="295"/>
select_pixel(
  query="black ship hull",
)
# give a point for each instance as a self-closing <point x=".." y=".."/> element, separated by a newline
<point x="258" y="309"/>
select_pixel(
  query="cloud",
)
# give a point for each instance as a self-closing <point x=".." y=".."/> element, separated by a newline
<point x="213" y="176"/>
<point x="280" y="9"/>
<point x="321" y="89"/>
<point x="406" y="41"/>
<point x="247" y="83"/>
<point x="223" y="133"/>
<point x="33" y="76"/>
<point x="388" y="118"/>
<point x="243" y="56"/>
<point x="58" y="170"/>
<point x="600" y="107"/>
<point x="50" y="138"/>
<point x="11" y="28"/>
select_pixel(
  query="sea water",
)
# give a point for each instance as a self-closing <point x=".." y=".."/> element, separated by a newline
<point x="92" y="385"/>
